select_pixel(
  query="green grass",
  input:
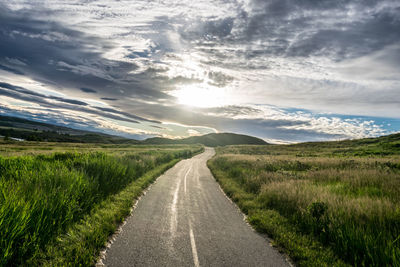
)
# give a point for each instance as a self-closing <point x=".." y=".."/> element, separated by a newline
<point x="48" y="198"/>
<point x="80" y="245"/>
<point x="325" y="204"/>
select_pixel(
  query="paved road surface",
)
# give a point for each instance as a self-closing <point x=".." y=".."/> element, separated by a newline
<point x="186" y="220"/>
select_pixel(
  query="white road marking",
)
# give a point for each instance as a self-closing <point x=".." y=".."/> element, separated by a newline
<point x="197" y="175"/>
<point x="194" y="250"/>
<point x="186" y="177"/>
<point x="174" y="211"/>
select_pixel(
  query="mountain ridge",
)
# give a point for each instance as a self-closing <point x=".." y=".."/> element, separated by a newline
<point x="211" y="139"/>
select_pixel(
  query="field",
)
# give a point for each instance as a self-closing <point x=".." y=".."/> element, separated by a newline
<point x="60" y="203"/>
<point x="325" y="204"/>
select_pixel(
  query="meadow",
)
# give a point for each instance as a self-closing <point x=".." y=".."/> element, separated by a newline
<point x="324" y="204"/>
<point x="60" y="203"/>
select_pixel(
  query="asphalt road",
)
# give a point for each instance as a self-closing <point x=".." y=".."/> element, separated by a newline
<point x="186" y="220"/>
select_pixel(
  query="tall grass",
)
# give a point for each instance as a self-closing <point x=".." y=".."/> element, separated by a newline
<point x="42" y="195"/>
<point x="350" y="204"/>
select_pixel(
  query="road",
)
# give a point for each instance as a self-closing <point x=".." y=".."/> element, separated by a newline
<point x="186" y="220"/>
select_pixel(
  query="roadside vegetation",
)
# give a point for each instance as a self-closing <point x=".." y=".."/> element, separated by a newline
<point x="59" y="208"/>
<point x="325" y="204"/>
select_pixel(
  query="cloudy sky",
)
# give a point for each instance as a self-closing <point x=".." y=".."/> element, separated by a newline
<point x="282" y="70"/>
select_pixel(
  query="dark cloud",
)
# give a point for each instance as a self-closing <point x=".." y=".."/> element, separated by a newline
<point x="119" y="112"/>
<point x="336" y="30"/>
<point x="88" y="90"/>
<point x="158" y="127"/>
<point x="70" y="101"/>
<point x="31" y="93"/>
<point x="294" y="28"/>
<point x="109" y="98"/>
<point x="11" y="70"/>
<point x="21" y="93"/>
<point x="356" y="40"/>
<point x="66" y="58"/>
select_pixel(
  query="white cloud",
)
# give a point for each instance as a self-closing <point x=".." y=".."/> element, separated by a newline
<point x="326" y="57"/>
<point x="330" y="125"/>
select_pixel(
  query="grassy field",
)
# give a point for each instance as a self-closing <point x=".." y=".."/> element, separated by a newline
<point x="325" y="204"/>
<point x="59" y="203"/>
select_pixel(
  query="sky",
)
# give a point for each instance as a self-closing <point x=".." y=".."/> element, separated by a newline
<point x="282" y="70"/>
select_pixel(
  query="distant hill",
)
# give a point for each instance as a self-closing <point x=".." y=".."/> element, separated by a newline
<point x="393" y="139"/>
<point x="38" y="131"/>
<point x="212" y="139"/>
<point x="383" y="145"/>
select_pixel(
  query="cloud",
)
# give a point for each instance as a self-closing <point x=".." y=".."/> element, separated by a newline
<point x="22" y="91"/>
<point x="380" y="66"/>
<point x="219" y="79"/>
<point x="124" y="61"/>
<point x="109" y="99"/>
<point x="8" y="69"/>
<point x="341" y="29"/>
<point x="56" y="102"/>
<point x="66" y="58"/>
<point x="275" y="123"/>
<point x="193" y="132"/>
<point x="88" y="90"/>
<point x="208" y="29"/>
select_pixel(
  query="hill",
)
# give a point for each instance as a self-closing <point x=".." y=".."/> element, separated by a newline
<point x="18" y="128"/>
<point x="383" y="145"/>
<point x="212" y="139"/>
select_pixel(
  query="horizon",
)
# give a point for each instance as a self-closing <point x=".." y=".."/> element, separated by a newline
<point x="283" y="71"/>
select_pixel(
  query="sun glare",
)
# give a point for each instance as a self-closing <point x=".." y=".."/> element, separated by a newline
<point x="200" y="96"/>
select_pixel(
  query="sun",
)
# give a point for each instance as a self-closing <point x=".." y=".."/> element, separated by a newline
<point x="200" y="95"/>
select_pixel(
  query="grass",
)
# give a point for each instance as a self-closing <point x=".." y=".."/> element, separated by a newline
<point x="80" y="245"/>
<point x="15" y="148"/>
<point x="49" y="201"/>
<point x="326" y="204"/>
